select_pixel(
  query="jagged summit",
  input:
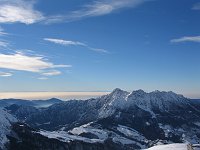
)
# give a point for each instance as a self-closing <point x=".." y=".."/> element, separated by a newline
<point x="156" y="100"/>
<point x="168" y="92"/>
<point x="118" y="91"/>
<point x="140" y="92"/>
<point x="137" y="93"/>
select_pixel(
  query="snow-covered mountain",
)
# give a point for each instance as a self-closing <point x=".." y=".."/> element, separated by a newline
<point x="160" y="101"/>
<point x="81" y="112"/>
<point x="120" y="120"/>
<point x="6" y="120"/>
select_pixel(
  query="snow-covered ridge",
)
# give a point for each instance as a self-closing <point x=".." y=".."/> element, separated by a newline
<point x="5" y="123"/>
<point x="120" y="99"/>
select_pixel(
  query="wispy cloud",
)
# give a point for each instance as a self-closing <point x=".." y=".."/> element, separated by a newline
<point x="5" y="74"/>
<point x="97" y="8"/>
<point x="3" y="44"/>
<point x="22" y="62"/>
<point x="51" y="73"/>
<point x="2" y="32"/>
<point x="21" y="11"/>
<point x="42" y="78"/>
<point x="186" y="39"/>
<point x="100" y="50"/>
<point x="74" y="43"/>
<point x="64" y="42"/>
<point x="196" y="6"/>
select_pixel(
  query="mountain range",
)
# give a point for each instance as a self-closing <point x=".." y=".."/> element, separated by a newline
<point x="120" y="120"/>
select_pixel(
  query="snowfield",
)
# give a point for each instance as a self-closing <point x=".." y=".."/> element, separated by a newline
<point x="131" y="133"/>
<point x="66" y="136"/>
<point x="177" y="146"/>
<point x="102" y="135"/>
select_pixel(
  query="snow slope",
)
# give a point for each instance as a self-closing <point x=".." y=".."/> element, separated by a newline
<point x="129" y="132"/>
<point x="177" y="146"/>
<point x="66" y="137"/>
<point x="102" y="135"/>
<point x="5" y="123"/>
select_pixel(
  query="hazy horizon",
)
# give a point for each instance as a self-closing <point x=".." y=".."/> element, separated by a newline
<point x="48" y="95"/>
<point x="43" y="95"/>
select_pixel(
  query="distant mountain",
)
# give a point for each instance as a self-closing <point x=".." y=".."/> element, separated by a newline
<point x="7" y="102"/>
<point x="196" y="101"/>
<point x="22" y="112"/>
<point x="34" y="103"/>
<point x="120" y="120"/>
<point x="46" y="103"/>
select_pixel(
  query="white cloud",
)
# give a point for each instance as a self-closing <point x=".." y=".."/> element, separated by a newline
<point x="23" y="62"/>
<point x="100" y="50"/>
<point x="42" y="78"/>
<point x="19" y="11"/>
<point x="5" y="74"/>
<point x="196" y="6"/>
<point x="3" y="44"/>
<point x="63" y="42"/>
<point x="23" y="11"/>
<point x="97" y="8"/>
<point x="186" y="39"/>
<point x="74" y="43"/>
<point x="2" y="31"/>
<point x="51" y="73"/>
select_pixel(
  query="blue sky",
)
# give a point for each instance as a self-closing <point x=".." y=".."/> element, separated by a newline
<point x="87" y="45"/>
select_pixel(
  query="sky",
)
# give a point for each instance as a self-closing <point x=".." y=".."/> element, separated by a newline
<point x="99" y="45"/>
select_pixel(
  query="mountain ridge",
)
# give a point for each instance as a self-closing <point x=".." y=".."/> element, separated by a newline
<point x="119" y="120"/>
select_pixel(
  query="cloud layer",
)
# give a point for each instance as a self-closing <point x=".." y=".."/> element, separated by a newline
<point x="186" y="39"/>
